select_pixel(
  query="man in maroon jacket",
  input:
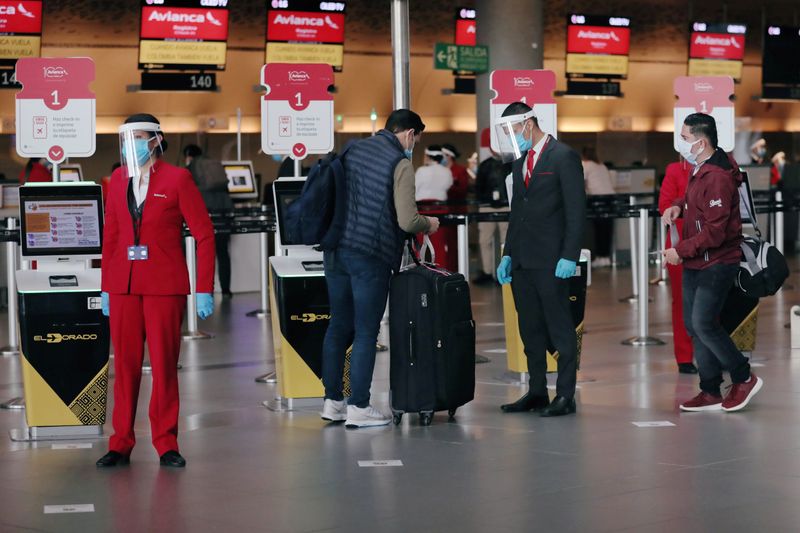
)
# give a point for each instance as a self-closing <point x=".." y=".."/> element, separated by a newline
<point x="710" y="252"/>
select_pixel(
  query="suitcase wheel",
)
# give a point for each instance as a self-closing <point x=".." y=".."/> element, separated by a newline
<point x="451" y="415"/>
<point x="425" y="418"/>
<point x="397" y="418"/>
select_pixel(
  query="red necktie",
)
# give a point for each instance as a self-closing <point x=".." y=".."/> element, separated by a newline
<point x="529" y="173"/>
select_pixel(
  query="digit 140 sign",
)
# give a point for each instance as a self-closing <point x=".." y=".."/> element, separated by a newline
<point x="710" y="95"/>
<point x="297" y="109"/>
<point x="55" y="108"/>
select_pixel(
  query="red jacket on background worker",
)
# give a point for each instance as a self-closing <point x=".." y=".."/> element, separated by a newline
<point x="34" y="171"/>
<point x="673" y="187"/>
<point x="460" y="187"/>
<point x="145" y="282"/>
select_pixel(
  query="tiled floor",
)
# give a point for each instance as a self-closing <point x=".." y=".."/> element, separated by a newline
<point x="251" y="469"/>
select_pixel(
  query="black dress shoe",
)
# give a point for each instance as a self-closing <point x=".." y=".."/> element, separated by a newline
<point x="173" y="459"/>
<point x="113" y="458"/>
<point x="560" y="406"/>
<point x="687" y="368"/>
<point x="529" y="402"/>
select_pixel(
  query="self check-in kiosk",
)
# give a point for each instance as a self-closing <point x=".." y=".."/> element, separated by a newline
<point x="64" y="335"/>
<point x="300" y="308"/>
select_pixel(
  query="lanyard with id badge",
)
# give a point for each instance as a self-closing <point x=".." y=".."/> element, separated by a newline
<point x="136" y="252"/>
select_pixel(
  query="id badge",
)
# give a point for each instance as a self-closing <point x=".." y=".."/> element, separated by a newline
<point x="137" y="253"/>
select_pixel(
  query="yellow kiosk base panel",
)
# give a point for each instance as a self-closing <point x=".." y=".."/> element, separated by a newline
<point x="65" y="345"/>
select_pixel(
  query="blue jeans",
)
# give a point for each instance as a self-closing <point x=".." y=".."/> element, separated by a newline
<point x="704" y="293"/>
<point x="358" y="286"/>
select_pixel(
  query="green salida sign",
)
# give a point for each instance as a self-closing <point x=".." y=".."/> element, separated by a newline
<point x="456" y="57"/>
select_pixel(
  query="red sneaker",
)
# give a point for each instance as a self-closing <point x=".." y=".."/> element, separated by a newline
<point x="741" y="393"/>
<point x="703" y="402"/>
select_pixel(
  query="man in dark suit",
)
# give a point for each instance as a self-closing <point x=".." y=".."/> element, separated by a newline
<point x="542" y="247"/>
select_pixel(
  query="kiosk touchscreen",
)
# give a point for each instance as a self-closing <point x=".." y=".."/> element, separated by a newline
<point x="70" y="173"/>
<point x="64" y="335"/>
<point x="241" y="179"/>
<point x="300" y="307"/>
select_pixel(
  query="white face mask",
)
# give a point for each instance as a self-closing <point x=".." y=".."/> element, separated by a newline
<point x="685" y="149"/>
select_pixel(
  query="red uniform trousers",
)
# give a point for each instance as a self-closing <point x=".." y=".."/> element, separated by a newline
<point x="134" y="318"/>
<point x="681" y="340"/>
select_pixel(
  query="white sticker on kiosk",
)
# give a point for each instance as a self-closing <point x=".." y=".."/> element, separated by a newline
<point x="94" y="302"/>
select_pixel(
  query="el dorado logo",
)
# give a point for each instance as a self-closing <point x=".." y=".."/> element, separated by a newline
<point x="309" y="317"/>
<point x="55" y="338"/>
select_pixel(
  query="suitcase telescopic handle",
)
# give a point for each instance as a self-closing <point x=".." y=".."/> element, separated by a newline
<point x="419" y="256"/>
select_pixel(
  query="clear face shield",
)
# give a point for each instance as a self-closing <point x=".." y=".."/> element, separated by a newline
<point x="139" y="146"/>
<point x="514" y="134"/>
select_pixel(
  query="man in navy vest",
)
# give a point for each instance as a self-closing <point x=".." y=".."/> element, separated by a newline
<point x="381" y="209"/>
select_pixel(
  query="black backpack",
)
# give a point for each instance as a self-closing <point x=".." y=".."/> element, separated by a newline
<point x="317" y="216"/>
<point x="763" y="268"/>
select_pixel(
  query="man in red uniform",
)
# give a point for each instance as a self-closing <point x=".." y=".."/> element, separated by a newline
<point x="672" y="188"/>
<point x="145" y="282"/>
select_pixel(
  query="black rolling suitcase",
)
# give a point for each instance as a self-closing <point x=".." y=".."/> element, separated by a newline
<point x="432" y="340"/>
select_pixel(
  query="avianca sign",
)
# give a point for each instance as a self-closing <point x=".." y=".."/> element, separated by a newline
<point x="23" y="17"/>
<point x="598" y="40"/>
<point x="305" y="26"/>
<point x="717" y="46"/>
<point x="184" y="23"/>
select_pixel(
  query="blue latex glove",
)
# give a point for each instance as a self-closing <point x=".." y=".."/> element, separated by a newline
<point x="504" y="270"/>
<point x="205" y="305"/>
<point x="565" y="268"/>
<point x="104" y="303"/>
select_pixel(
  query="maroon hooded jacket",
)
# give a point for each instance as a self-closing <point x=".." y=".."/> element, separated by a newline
<point x="712" y="224"/>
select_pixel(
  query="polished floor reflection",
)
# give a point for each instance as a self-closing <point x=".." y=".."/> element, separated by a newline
<point x="251" y="469"/>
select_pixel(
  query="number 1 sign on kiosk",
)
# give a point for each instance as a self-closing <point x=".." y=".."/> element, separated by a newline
<point x="297" y="111"/>
<point x="710" y="95"/>
<point x="533" y="87"/>
<point x="55" y="108"/>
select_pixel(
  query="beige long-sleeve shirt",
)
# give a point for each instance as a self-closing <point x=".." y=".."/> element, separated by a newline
<point x="405" y="203"/>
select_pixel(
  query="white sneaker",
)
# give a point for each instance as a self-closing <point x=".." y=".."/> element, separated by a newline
<point x="358" y="417"/>
<point x="333" y="411"/>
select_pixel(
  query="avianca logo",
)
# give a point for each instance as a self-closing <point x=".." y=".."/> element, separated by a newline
<point x="11" y="10"/>
<point x="293" y="20"/>
<point x="602" y="35"/>
<point x="703" y="87"/>
<point x="193" y="18"/>
<point x="54" y="72"/>
<point x="717" y="41"/>
<point x="298" y="75"/>
<point x="715" y="203"/>
<point x="523" y="82"/>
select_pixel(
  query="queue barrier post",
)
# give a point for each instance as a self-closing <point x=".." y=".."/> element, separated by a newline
<point x="643" y="339"/>
<point x="13" y="337"/>
<point x="12" y="348"/>
<point x="463" y="246"/>
<point x="634" y="257"/>
<point x="192" y="332"/>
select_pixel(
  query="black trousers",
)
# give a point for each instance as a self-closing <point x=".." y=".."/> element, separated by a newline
<point x="542" y="302"/>
<point x="223" y="262"/>
<point x="603" y="235"/>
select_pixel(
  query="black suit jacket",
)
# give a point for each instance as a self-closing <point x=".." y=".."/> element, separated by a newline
<point x="547" y="218"/>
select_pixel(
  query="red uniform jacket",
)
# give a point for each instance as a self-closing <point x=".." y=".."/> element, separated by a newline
<point x="172" y="198"/>
<point x="458" y="191"/>
<point x="38" y="173"/>
<point x="712" y="224"/>
<point x="673" y="187"/>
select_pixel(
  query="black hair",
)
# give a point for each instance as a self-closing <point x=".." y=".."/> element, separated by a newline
<point x="448" y="146"/>
<point x="590" y="154"/>
<point x="147" y="117"/>
<point x="703" y="125"/>
<point x="435" y="148"/>
<point x="404" y="119"/>
<point x="115" y="166"/>
<point x="519" y="108"/>
<point x="192" y="150"/>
